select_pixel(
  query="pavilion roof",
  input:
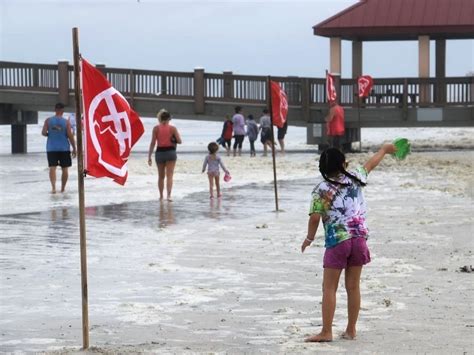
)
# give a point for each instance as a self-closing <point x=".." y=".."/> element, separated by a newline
<point x="382" y="20"/>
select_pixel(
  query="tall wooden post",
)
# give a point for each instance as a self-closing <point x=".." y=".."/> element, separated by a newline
<point x="80" y="182"/>
<point x="269" y="99"/>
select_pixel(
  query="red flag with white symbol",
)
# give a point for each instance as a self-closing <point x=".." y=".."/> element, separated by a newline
<point x="330" y="88"/>
<point x="279" y="104"/>
<point x="111" y="127"/>
<point x="365" y="84"/>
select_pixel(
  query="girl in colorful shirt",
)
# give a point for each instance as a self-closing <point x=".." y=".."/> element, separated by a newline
<point x="213" y="161"/>
<point x="339" y="202"/>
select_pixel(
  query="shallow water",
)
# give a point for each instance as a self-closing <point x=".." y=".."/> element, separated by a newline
<point x="229" y="271"/>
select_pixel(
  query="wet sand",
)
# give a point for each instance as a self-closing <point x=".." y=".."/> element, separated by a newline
<point x="201" y="276"/>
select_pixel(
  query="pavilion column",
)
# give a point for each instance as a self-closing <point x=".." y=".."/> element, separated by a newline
<point x="357" y="64"/>
<point x="424" y="68"/>
<point x="356" y="59"/>
<point x="440" y="88"/>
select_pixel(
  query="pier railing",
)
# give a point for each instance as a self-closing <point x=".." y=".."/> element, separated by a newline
<point x="241" y="89"/>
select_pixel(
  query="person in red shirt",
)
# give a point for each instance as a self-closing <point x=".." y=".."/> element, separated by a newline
<point x="335" y="125"/>
<point x="227" y="133"/>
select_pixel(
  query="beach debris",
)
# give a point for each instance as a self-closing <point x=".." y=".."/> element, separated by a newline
<point x="263" y="226"/>
<point x="466" y="268"/>
<point x="443" y="269"/>
<point x="387" y="302"/>
<point x="293" y="329"/>
<point x="281" y="310"/>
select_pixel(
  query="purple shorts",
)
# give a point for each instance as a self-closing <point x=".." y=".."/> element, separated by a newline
<point x="351" y="252"/>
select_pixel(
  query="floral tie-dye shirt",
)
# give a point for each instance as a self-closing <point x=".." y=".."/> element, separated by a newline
<point x="342" y="208"/>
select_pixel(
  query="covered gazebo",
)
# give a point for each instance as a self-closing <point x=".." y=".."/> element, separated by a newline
<point x="400" y="20"/>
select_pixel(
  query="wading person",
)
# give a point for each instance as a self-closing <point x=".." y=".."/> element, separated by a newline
<point x="227" y="132"/>
<point x="281" y="136"/>
<point x="252" y="134"/>
<point x="266" y="131"/>
<point x="213" y="163"/>
<point x="335" y="126"/>
<point x="58" y="146"/>
<point x="239" y="130"/>
<point x="165" y="137"/>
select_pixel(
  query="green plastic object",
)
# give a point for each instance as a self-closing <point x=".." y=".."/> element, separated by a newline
<point x="403" y="148"/>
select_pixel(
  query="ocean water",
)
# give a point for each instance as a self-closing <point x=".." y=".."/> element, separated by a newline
<point x="226" y="270"/>
<point x="29" y="173"/>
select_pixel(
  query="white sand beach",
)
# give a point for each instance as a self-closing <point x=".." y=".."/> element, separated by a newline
<point x="227" y="276"/>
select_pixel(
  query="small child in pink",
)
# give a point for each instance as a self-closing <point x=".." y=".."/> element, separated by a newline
<point x="213" y="161"/>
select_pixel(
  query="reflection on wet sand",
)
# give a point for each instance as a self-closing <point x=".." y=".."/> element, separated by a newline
<point x="59" y="214"/>
<point x="166" y="214"/>
<point x="215" y="208"/>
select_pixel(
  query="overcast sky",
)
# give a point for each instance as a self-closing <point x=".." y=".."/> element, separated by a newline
<point x="266" y="37"/>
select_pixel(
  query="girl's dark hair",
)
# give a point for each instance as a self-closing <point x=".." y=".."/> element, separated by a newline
<point x="331" y="162"/>
<point x="212" y="147"/>
<point x="250" y="117"/>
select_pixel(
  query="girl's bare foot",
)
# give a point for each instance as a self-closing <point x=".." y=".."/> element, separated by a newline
<point x="219" y="196"/>
<point x="319" y="338"/>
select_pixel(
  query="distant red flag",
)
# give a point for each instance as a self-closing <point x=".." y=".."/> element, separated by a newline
<point x="330" y="88"/>
<point x="111" y="127"/>
<point x="365" y="84"/>
<point x="279" y="104"/>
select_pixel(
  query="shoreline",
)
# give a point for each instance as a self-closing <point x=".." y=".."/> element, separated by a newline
<point x="230" y="271"/>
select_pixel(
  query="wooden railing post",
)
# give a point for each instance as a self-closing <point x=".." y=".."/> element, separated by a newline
<point x="101" y="67"/>
<point x="132" y="87"/>
<point x="337" y="86"/>
<point x="405" y="99"/>
<point x="164" y="86"/>
<point x="305" y="99"/>
<point x="35" y="77"/>
<point x="63" y="81"/>
<point x="199" y="90"/>
<point x="471" y="89"/>
<point x="228" y="85"/>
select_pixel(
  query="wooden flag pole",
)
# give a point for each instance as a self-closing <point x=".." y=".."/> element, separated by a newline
<point x="358" y="114"/>
<point x="80" y="183"/>
<point x="273" y="144"/>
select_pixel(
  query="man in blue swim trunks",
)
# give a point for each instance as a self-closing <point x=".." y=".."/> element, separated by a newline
<point x="58" y="146"/>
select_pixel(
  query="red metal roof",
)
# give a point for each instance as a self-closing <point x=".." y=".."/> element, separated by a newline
<point x="378" y="20"/>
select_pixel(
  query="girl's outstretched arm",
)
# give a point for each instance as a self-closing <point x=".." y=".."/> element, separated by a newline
<point x="313" y="224"/>
<point x="375" y="160"/>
